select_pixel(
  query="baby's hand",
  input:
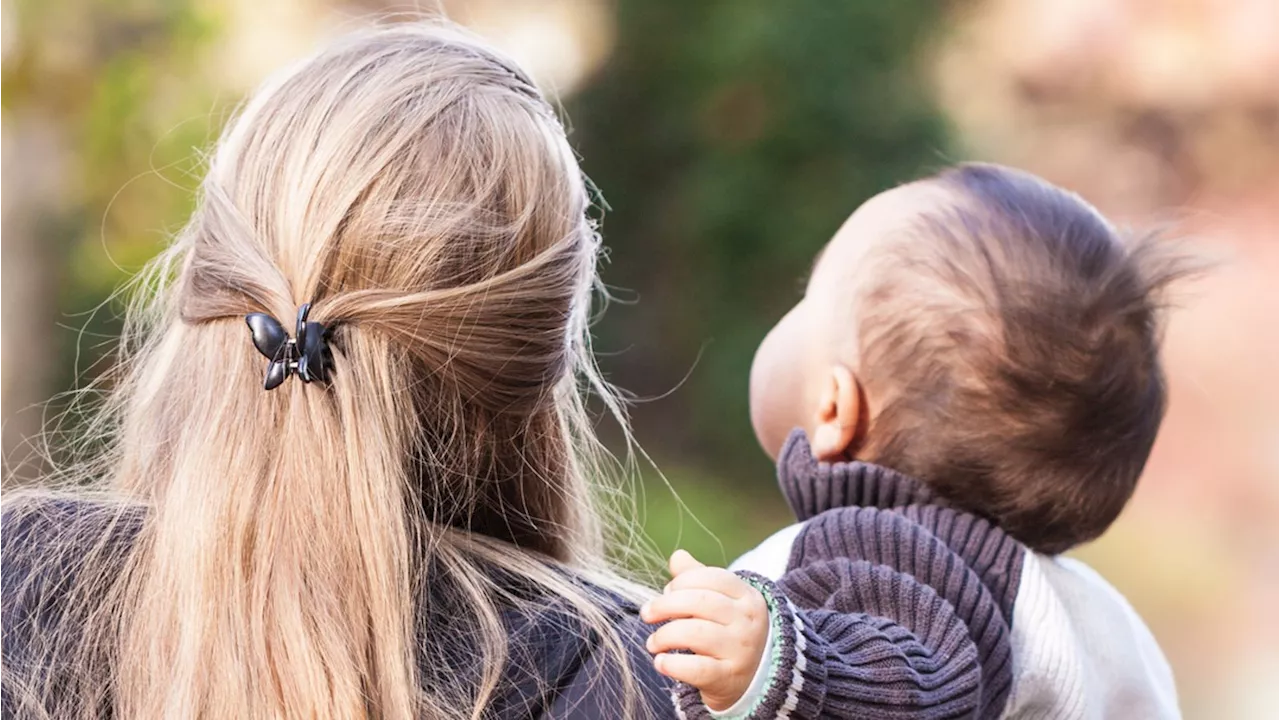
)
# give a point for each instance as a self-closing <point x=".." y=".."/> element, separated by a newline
<point x="720" y="618"/>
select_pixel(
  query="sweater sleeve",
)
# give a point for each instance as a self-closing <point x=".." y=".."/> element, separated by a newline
<point x="879" y="619"/>
<point x="829" y="663"/>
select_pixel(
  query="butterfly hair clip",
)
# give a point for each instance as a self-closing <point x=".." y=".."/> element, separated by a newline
<point x="307" y="353"/>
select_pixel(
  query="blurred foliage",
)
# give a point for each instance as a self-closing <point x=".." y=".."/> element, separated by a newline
<point x="708" y="514"/>
<point x="120" y="84"/>
<point x="731" y="139"/>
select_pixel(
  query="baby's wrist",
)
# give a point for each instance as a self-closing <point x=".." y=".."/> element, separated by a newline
<point x="766" y="666"/>
<point x="753" y="694"/>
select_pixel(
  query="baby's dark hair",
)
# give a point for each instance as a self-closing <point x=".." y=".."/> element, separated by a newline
<point x="1013" y="341"/>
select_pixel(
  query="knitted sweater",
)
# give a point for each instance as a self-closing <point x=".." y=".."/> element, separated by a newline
<point x="956" y="619"/>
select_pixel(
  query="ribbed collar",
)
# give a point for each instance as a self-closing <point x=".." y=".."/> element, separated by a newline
<point x="812" y="487"/>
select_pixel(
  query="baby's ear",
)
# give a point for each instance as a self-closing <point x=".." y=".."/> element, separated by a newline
<point x="840" y="422"/>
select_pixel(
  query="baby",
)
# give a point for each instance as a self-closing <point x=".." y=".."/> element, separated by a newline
<point x="970" y="386"/>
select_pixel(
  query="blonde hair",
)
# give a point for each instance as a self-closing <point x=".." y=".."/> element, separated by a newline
<point x="416" y="188"/>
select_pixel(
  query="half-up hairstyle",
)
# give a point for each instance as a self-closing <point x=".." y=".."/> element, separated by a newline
<point x="416" y="188"/>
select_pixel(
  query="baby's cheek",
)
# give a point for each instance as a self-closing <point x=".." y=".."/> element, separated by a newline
<point x="777" y="384"/>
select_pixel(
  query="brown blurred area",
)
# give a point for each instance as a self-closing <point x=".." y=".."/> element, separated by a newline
<point x="1166" y="112"/>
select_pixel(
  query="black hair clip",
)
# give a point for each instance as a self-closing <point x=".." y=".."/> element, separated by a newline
<point x="307" y="354"/>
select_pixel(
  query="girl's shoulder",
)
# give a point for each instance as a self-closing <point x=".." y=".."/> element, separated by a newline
<point x="54" y="534"/>
<point x="51" y="536"/>
<point x="582" y="675"/>
<point x="46" y="541"/>
<point x="558" y="666"/>
<point x="56" y="553"/>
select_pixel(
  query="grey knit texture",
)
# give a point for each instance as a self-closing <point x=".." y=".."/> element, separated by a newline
<point x="812" y="488"/>
<point x="892" y="606"/>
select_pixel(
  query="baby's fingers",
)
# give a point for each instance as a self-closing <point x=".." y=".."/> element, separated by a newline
<point x="702" y="637"/>
<point x="682" y="562"/>
<point x="696" y="670"/>
<point x="697" y="603"/>
<point x="710" y="578"/>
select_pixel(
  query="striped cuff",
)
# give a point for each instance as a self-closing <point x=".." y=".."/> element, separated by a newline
<point x="797" y="686"/>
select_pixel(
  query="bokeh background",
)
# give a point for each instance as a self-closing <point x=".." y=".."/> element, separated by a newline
<point x="731" y="138"/>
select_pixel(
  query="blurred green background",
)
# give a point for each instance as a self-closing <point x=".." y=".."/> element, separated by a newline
<point x="731" y="139"/>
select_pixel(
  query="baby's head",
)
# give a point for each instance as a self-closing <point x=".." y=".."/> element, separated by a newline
<point x="988" y="333"/>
